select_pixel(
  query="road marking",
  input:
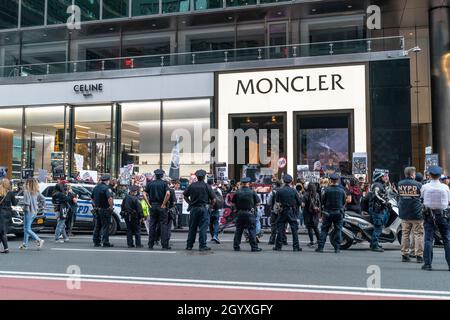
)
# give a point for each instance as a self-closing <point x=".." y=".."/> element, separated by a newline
<point x="342" y="290"/>
<point x="108" y="250"/>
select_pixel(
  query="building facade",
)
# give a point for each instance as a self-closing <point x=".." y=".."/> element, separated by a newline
<point x="309" y="80"/>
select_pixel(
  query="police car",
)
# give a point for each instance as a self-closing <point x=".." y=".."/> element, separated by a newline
<point x="16" y="224"/>
<point x="84" y="218"/>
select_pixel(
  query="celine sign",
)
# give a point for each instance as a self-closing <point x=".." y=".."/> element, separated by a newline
<point x="88" y="90"/>
<point x="295" y="84"/>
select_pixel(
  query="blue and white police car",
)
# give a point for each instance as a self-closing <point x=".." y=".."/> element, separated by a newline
<point x="84" y="218"/>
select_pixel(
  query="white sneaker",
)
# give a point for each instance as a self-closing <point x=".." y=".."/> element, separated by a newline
<point x="66" y="240"/>
<point x="59" y="241"/>
<point x="40" y="244"/>
<point x="23" y="247"/>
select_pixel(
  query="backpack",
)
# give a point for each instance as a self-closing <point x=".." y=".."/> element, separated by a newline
<point x="275" y="206"/>
<point x="219" y="200"/>
<point x="314" y="205"/>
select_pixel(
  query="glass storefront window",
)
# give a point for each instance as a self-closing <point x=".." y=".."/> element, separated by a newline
<point x="236" y="3"/>
<point x="257" y="156"/>
<point x="90" y="9"/>
<point x="140" y="135"/>
<point x="115" y="9"/>
<point x="33" y="12"/>
<point x="9" y="11"/>
<point x="188" y="123"/>
<point x="323" y="143"/>
<point x="169" y="6"/>
<point x="92" y="134"/>
<point x="145" y="7"/>
<point x="207" y="4"/>
<point x="45" y="138"/>
<point x="11" y="143"/>
<point x="57" y="11"/>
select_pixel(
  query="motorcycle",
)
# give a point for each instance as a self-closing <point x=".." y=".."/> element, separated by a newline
<point x="358" y="228"/>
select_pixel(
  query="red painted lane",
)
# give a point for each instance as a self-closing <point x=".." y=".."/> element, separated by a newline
<point x="38" y="289"/>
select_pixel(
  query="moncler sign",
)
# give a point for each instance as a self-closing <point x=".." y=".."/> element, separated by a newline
<point x="295" y="84"/>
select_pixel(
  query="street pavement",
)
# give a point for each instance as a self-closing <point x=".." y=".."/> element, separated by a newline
<point x="77" y="270"/>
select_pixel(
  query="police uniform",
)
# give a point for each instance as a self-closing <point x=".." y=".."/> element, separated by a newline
<point x="290" y="202"/>
<point x="198" y="195"/>
<point x="377" y="210"/>
<point x="333" y="200"/>
<point x="157" y="190"/>
<point x="132" y="214"/>
<point x="273" y="220"/>
<point x="102" y="219"/>
<point x="436" y="197"/>
<point x="410" y="211"/>
<point x="246" y="201"/>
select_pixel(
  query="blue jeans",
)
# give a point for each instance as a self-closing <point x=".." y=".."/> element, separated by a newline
<point x="214" y="222"/>
<point x="258" y="225"/>
<point x="443" y="225"/>
<point x="378" y="220"/>
<point x="28" y="219"/>
<point x="61" y="229"/>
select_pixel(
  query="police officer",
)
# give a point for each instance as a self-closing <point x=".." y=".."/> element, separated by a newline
<point x="246" y="201"/>
<point x="378" y="205"/>
<point x="436" y="199"/>
<point x="199" y="195"/>
<point x="410" y="211"/>
<point x="333" y="199"/>
<point x="157" y="195"/>
<point x="103" y="203"/>
<point x="132" y="214"/>
<point x="290" y="202"/>
<point x="274" y="216"/>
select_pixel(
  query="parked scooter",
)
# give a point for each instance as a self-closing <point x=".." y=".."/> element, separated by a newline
<point x="358" y="228"/>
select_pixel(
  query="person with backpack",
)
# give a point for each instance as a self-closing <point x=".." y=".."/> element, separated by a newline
<point x="72" y="216"/>
<point x="62" y="207"/>
<point x="275" y="210"/>
<point x="214" y="212"/>
<point x="33" y="201"/>
<point x="312" y="213"/>
<point x="354" y="196"/>
<point x="131" y="212"/>
<point x="7" y="200"/>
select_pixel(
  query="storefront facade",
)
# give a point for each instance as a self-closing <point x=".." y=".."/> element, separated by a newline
<point x="302" y="115"/>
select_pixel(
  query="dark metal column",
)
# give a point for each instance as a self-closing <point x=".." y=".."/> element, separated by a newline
<point x="440" y="78"/>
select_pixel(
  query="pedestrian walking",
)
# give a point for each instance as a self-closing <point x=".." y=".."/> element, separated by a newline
<point x="7" y="200"/>
<point x="61" y="206"/>
<point x="103" y="203"/>
<point x="199" y="195"/>
<point x="246" y="200"/>
<point x="33" y="202"/>
<point x="410" y="211"/>
<point x="157" y="195"/>
<point x="436" y="199"/>
<point x="333" y="201"/>
<point x="312" y="213"/>
<point x="290" y="202"/>
<point x="131" y="212"/>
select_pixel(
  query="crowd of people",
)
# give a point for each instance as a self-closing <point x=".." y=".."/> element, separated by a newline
<point x="423" y="208"/>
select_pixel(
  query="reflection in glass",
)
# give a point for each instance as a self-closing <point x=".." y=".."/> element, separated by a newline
<point x="188" y="122"/>
<point x="93" y="139"/>
<point x="57" y="11"/>
<point x="90" y="9"/>
<point x="141" y="128"/>
<point x="115" y="9"/>
<point x="324" y="143"/>
<point x="169" y="6"/>
<point x="145" y="7"/>
<point x="9" y="11"/>
<point x="207" y="4"/>
<point x="45" y="140"/>
<point x="235" y="3"/>
<point x="11" y="143"/>
<point x="33" y="12"/>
